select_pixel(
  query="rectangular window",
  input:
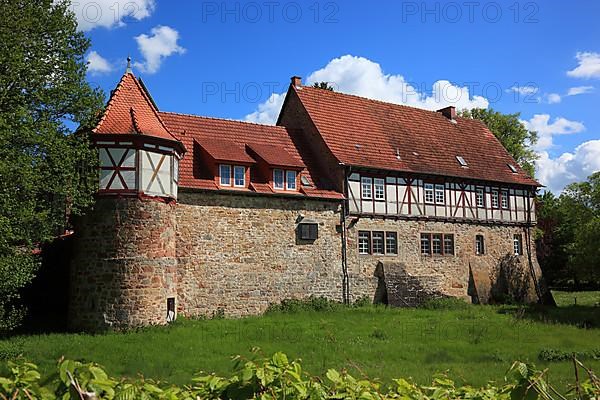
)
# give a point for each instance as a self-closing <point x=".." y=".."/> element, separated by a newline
<point x="425" y="244"/>
<point x="494" y="199"/>
<point x="517" y="245"/>
<point x="239" y="176"/>
<point x="278" y="179"/>
<point x="391" y="243"/>
<point x="439" y="194"/>
<point x="364" y="242"/>
<point x="449" y="244"/>
<point x="366" y="188"/>
<point x="308" y="231"/>
<point x="378" y="243"/>
<point x="480" y="198"/>
<point x="504" y="199"/>
<point x="225" y="174"/>
<point x="436" y="243"/>
<point x="428" y="192"/>
<point x="379" y="189"/>
<point x="290" y="179"/>
<point x="479" y="245"/>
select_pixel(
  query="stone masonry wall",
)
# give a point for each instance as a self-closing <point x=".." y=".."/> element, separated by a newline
<point x="124" y="266"/>
<point x="441" y="275"/>
<point x="240" y="253"/>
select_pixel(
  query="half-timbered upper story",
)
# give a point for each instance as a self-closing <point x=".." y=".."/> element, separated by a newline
<point x="403" y="162"/>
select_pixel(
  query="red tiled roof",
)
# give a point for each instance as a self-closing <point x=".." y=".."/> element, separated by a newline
<point x="370" y="133"/>
<point x="131" y="111"/>
<point x="224" y="150"/>
<point x="275" y="155"/>
<point x="191" y="129"/>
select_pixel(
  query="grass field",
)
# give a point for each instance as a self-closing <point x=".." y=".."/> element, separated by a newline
<point x="474" y="344"/>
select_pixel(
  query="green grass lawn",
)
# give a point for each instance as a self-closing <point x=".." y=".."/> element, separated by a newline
<point x="474" y="345"/>
<point x="564" y="299"/>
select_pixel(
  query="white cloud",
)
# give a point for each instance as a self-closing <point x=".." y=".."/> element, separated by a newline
<point x="363" y="77"/>
<point x="577" y="90"/>
<point x="589" y="65"/>
<point x="91" y="14"/>
<point x="547" y="130"/>
<point x="523" y="90"/>
<point x="155" y="48"/>
<point x="553" y="98"/>
<point x="568" y="167"/>
<point x="96" y="64"/>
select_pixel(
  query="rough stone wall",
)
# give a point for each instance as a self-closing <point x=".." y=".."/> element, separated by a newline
<point x="124" y="266"/>
<point x="443" y="275"/>
<point x="240" y="253"/>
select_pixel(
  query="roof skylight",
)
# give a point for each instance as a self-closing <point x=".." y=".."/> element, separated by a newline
<point x="461" y="161"/>
<point x="512" y="168"/>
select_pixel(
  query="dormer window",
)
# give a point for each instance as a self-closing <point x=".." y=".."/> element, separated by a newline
<point x="232" y="175"/>
<point x="290" y="180"/>
<point x="284" y="179"/>
<point x="225" y="174"/>
<point x="239" y="176"/>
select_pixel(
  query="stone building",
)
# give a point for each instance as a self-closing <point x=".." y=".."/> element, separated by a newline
<point x="344" y="198"/>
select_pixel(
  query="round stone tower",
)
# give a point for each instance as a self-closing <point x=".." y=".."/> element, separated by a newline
<point x="124" y="266"/>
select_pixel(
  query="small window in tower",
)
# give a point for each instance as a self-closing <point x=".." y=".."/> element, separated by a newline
<point x="170" y="309"/>
<point x="518" y="245"/>
<point x="479" y="245"/>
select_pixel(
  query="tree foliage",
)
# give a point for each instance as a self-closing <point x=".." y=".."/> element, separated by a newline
<point x="568" y="248"/>
<point x="44" y="166"/>
<point x="323" y="85"/>
<point x="512" y="134"/>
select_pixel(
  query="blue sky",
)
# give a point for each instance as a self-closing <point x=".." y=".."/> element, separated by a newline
<point x="234" y="60"/>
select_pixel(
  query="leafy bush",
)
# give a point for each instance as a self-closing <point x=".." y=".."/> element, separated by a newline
<point x="560" y="355"/>
<point x="10" y="349"/>
<point x="269" y="378"/>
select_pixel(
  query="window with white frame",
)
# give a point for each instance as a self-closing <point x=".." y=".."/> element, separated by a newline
<point x="278" y="179"/>
<point x="366" y="185"/>
<point x="494" y="199"/>
<point x="518" y="245"/>
<point x="290" y="180"/>
<point x="480" y="197"/>
<point x="439" y="194"/>
<point x="428" y="192"/>
<point x="425" y="244"/>
<point x="239" y="176"/>
<point x="448" y="244"/>
<point x="504" y="199"/>
<point x="364" y="242"/>
<point x="378" y="243"/>
<point x="225" y="175"/>
<point x="391" y="243"/>
<point x="379" y="186"/>
<point x="437" y="244"/>
<point x="479" y="245"/>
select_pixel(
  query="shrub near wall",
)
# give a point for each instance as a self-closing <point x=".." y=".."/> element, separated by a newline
<point x="270" y="378"/>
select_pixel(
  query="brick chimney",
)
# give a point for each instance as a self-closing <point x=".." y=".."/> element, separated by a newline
<point x="296" y="81"/>
<point x="448" y="112"/>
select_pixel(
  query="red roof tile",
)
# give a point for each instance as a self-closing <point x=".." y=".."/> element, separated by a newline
<point x="202" y="130"/>
<point x="370" y="133"/>
<point x="131" y="111"/>
<point x="224" y="150"/>
<point x="275" y="155"/>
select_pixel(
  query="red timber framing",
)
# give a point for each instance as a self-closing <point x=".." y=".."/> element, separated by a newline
<point x="460" y="199"/>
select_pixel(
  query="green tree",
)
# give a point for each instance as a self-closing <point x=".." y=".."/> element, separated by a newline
<point x="45" y="168"/>
<point x="323" y="85"/>
<point x="511" y="132"/>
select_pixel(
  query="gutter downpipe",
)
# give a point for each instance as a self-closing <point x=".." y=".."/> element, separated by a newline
<point x="344" y="213"/>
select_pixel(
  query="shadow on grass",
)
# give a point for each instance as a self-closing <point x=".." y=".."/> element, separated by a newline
<point x="585" y="317"/>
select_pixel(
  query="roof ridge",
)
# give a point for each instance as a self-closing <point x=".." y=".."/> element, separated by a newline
<point x="222" y="119"/>
<point x="331" y="92"/>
